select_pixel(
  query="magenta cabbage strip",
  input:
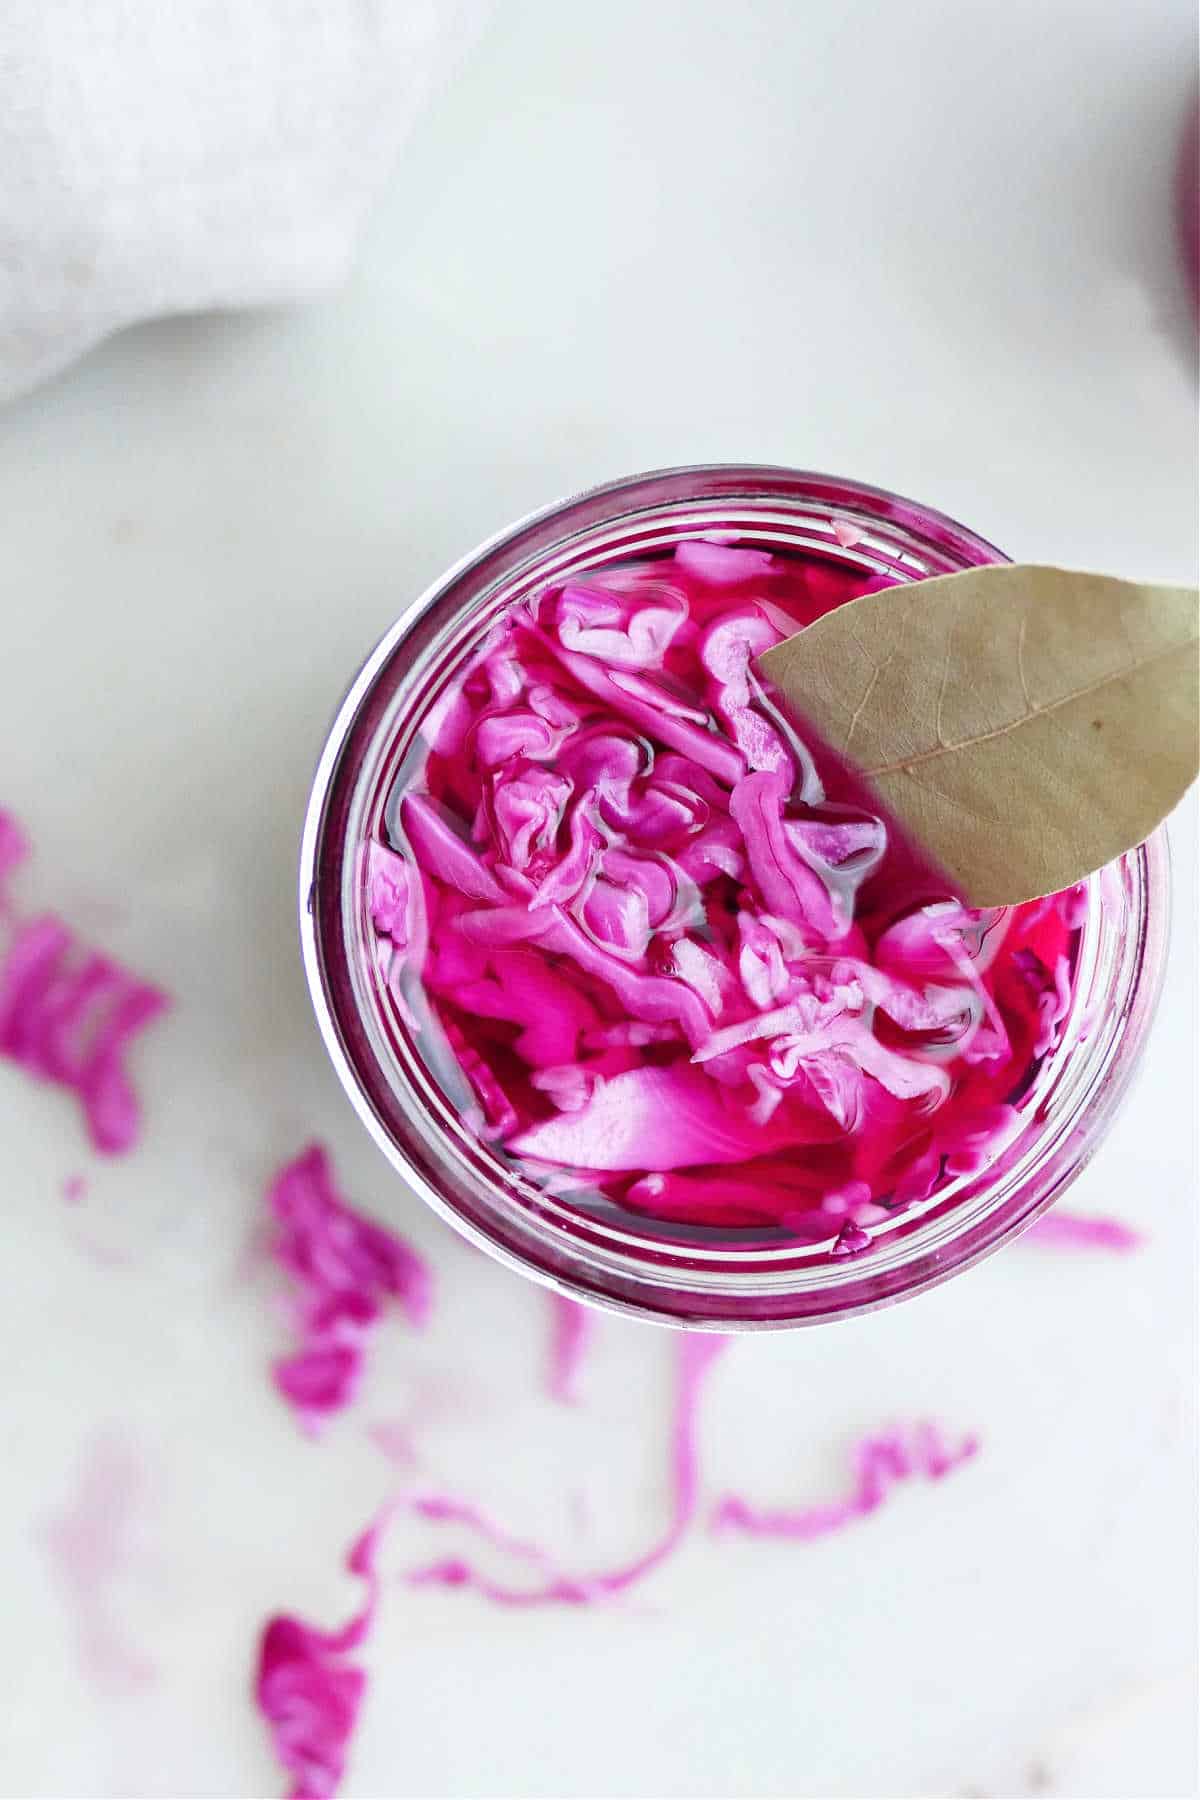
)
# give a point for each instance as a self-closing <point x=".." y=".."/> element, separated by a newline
<point x="310" y="1694"/>
<point x="90" y="1546"/>
<point x="696" y="1354"/>
<point x="446" y="1509"/>
<point x="14" y="846"/>
<point x="306" y="1690"/>
<point x="664" y="955"/>
<point x="68" y="1015"/>
<point x="1072" y="1231"/>
<point x="571" y="1328"/>
<point x="344" y="1268"/>
<point x="880" y="1463"/>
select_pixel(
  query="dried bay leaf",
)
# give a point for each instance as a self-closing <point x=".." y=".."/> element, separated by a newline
<point x="1025" y="724"/>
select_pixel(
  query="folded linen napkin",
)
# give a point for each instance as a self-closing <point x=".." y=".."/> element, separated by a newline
<point x="162" y="156"/>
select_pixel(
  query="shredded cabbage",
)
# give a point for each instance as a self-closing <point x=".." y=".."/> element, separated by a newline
<point x="665" y="945"/>
<point x="571" y="1327"/>
<point x="344" y="1268"/>
<point x="696" y="1355"/>
<point x="1072" y="1231"/>
<point x="68" y="1014"/>
<point x="91" y="1545"/>
<point x="880" y="1463"/>
<point x="1052" y="993"/>
<point x="308" y="1692"/>
<point x="14" y="845"/>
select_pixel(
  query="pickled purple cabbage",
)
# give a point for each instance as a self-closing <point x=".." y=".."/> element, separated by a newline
<point x="14" y="846"/>
<point x="93" y="1545"/>
<point x="880" y="1463"/>
<point x="344" y="1269"/>
<point x="664" y="954"/>
<point x="1077" y="1231"/>
<point x="308" y="1692"/>
<point x="69" y="1014"/>
<point x="571" y="1328"/>
<point x="557" y="1588"/>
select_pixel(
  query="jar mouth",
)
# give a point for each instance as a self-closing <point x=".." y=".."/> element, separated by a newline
<point x="613" y="1261"/>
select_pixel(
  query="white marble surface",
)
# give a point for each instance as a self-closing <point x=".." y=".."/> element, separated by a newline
<point x="927" y="245"/>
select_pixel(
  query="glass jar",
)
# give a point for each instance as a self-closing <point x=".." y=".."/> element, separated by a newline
<point x="633" y="1266"/>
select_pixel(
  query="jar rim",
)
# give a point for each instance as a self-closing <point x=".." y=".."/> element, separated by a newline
<point x="972" y="1217"/>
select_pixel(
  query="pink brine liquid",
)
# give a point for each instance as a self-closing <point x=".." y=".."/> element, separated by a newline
<point x="668" y="958"/>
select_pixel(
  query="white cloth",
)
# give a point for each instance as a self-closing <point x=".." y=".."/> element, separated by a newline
<point x="161" y="156"/>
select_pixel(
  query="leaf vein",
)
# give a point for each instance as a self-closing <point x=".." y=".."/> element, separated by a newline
<point x="857" y="714"/>
<point x="905" y="763"/>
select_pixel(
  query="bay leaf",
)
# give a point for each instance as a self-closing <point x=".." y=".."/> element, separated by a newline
<point x="1025" y="724"/>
